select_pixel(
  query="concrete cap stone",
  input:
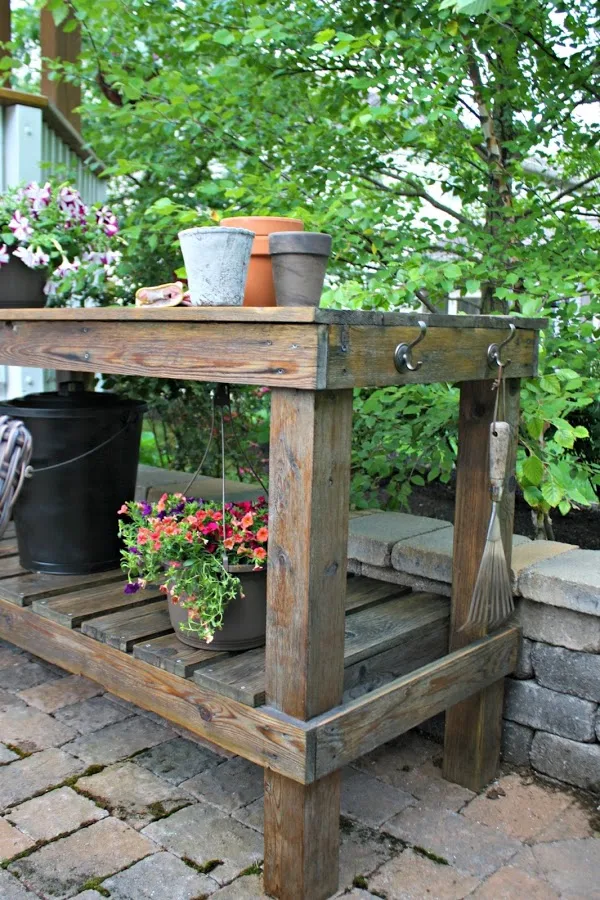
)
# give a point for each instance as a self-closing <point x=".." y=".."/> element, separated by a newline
<point x="371" y="538"/>
<point x="570" y="580"/>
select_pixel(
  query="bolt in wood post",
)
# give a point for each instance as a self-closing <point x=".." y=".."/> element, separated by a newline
<point x="473" y="727"/>
<point x="308" y="533"/>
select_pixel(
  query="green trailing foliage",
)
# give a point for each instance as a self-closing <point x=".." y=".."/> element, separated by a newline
<point x="449" y="147"/>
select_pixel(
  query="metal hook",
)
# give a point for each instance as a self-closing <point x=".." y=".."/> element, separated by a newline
<point x="402" y="353"/>
<point x="493" y="353"/>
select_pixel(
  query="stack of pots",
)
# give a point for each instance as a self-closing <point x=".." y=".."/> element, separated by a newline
<point x="257" y="261"/>
<point x="260" y="288"/>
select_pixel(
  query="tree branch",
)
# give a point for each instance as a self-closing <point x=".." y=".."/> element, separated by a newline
<point x="574" y="187"/>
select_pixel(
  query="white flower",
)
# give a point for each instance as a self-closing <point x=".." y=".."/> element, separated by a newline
<point x="20" y="226"/>
<point x="65" y="267"/>
<point x="4" y="255"/>
<point x="39" y="197"/>
<point x="34" y="258"/>
<point x="50" y="288"/>
<point x="26" y="255"/>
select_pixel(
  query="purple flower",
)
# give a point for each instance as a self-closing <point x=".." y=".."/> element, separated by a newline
<point x="132" y="587"/>
<point x="145" y="509"/>
<point x="4" y="255"/>
<point x="134" y="550"/>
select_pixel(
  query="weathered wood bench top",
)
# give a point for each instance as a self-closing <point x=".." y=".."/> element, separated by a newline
<point x="311" y="349"/>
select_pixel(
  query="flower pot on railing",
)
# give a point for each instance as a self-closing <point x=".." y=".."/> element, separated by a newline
<point x="244" y="619"/>
<point x="299" y="264"/>
<point x="260" y="290"/>
<point x="216" y="264"/>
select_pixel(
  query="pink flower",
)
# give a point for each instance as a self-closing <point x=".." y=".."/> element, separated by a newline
<point x="107" y="220"/>
<point x="20" y="226"/>
<point x="4" y="255"/>
<point x="39" y="197"/>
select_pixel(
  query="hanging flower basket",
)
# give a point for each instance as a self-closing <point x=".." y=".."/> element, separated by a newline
<point x="213" y="574"/>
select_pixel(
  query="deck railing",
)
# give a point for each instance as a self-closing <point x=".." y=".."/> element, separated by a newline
<point x="37" y="141"/>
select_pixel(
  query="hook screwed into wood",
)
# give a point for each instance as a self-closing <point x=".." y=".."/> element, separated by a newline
<point x="403" y="352"/>
<point x="494" y="350"/>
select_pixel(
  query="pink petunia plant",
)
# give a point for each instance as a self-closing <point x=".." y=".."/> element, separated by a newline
<point x="48" y="226"/>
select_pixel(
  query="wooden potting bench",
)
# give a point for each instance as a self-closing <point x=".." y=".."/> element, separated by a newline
<point x="401" y="657"/>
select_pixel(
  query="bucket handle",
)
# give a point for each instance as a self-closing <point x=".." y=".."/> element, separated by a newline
<point x="30" y="471"/>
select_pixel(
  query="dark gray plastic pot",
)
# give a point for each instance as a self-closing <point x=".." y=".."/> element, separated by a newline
<point x="244" y="622"/>
<point x="299" y="260"/>
<point x="20" y="286"/>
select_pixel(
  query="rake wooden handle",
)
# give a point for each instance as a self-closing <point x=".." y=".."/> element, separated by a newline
<point x="499" y="448"/>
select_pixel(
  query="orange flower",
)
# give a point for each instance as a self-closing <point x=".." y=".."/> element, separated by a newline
<point x="160" y="506"/>
<point x="189" y="537"/>
<point x="262" y="534"/>
<point x="260" y="553"/>
<point x="228" y="543"/>
<point x="123" y="510"/>
<point x="248" y="520"/>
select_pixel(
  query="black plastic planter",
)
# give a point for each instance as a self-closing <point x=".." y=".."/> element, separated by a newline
<point x="299" y="260"/>
<point x="66" y="517"/>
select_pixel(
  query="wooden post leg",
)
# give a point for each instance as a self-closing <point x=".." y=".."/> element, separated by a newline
<point x="308" y="532"/>
<point x="473" y="727"/>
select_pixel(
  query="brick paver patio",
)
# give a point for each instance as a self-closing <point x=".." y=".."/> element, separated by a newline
<point x="101" y="799"/>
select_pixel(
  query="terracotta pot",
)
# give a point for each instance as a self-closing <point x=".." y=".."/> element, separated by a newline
<point x="20" y="286"/>
<point x="216" y="261"/>
<point x="299" y="265"/>
<point x="260" y="290"/>
<point x="244" y="622"/>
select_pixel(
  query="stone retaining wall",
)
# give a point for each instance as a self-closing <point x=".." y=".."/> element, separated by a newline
<point x="552" y="713"/>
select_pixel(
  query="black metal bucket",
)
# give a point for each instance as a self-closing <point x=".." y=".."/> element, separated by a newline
<point x="66" y="515"/>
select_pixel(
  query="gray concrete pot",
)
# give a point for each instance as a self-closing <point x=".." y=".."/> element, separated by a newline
<point x="216" y="264"/>
<point x="299" y="260"/>
<point x="244" y="622"/>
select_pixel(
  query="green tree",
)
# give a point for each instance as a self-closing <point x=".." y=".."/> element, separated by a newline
<point x="451" y="149"/>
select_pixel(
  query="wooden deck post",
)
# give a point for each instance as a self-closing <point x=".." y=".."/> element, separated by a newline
<point x="5" y="36"/>
<point x="308" y="522"/>
<point x="56" y="43"/>
<point x="473" y="727"/>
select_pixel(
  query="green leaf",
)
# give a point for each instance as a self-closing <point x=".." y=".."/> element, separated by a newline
<point x="533" y="469"/>
<point x="552" y="493"/>
<point x="223" y="37"/>
<point x="533" y="496"/>
<point x="323" y="37"/>
<point x="564" y="507"/>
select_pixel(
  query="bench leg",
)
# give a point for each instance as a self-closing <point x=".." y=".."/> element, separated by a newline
<point x="473" y="727"/>
<point x="308" y="533"/>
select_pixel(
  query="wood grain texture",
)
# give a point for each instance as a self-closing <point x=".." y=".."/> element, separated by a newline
<point x="11" y="566"/>
<point x="265" y="737"/>
<point x="268" y="314"/>
<point x="240" y="353"/>
<point x="358" y="727"/>
<point x="123" y="629"/>
<point x="308" y="528"/>
<point x="361" y="356"/>
<point x="313" y="813"/>
<point x="411" y="629"/>
<point x="8" y="97"/>
<point x="169" y="653"/>
<point x="308" y="535"/>
<point x="71" y="609"/>
<point x="8" y="547"/>
<point x="473" y="727"/>
<point x="22" y="590"/>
